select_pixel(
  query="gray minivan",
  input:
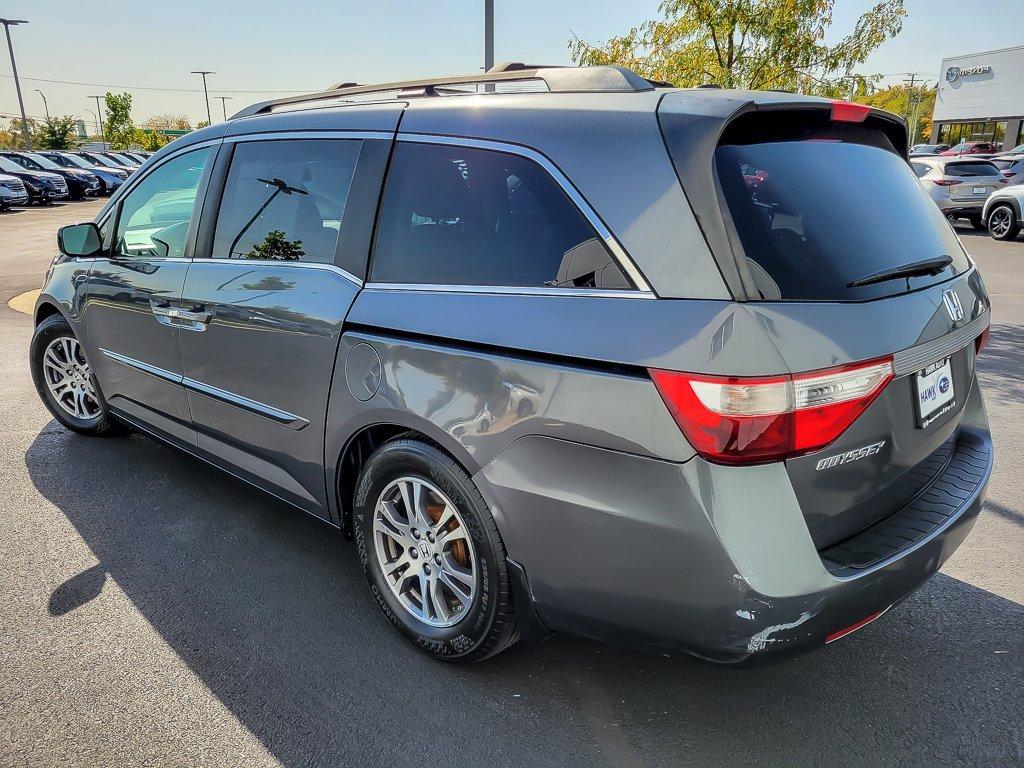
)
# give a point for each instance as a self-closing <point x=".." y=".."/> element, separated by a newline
<point x="560" y="350"/>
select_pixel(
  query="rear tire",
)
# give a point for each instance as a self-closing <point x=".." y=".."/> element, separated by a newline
<point x="65" y="383"/>
<point x="1003" y="223"/>
<point x="470" y="625"/>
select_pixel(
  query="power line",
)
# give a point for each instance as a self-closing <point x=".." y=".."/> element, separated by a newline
<point x="154" y="88"/>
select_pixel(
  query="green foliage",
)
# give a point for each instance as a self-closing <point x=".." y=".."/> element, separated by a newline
<point x="151" y="140"/>
<point x="55" y="133"/>
<point x="906" y="102"/>
<point x="275" y="246"/>
<point x="118" y="127"/>
<point x="202" y="124"/>
<point x="755" y="44"/>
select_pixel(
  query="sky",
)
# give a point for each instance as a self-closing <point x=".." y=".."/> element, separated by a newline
<point x="260" y="50"/>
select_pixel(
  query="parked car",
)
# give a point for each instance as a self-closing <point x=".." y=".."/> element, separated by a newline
<point x="1018" y="150"/>
<point x="1012" y="168"/>
<point x="81" y="183"/>
<point x="563" y="368"/>
<point x="43" y="187"/>
<point x="928" y="149"/>
<point x="12" y="191"/>
<point x="136" y="157"/>
<point x="959" y="187"/>
<point x="109" y="178"/>
<point x="122" y="160"/>
<point x="1003" y="213"/>
<point x="972" y="148"/>
<point x="98" y="158"/>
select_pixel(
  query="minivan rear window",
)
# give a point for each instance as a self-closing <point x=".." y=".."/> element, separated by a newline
<point x="820" y="206"/>
<point x="971" y="168"/>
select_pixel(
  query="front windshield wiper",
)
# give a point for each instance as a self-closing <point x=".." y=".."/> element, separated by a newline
<point x="913" y="269"/>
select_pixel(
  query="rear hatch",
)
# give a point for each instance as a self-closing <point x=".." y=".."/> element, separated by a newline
<point x="823" y="231"/>
<point x="973" y="179"/>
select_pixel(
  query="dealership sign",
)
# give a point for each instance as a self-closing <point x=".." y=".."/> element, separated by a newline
<point x="955" y="73"/>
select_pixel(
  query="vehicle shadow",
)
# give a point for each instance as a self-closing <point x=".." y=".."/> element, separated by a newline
<point x="1001" y="362"/>
<point x="269" y="608"/>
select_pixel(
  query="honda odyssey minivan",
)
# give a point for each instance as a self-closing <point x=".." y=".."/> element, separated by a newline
<point x="558" y="349"/>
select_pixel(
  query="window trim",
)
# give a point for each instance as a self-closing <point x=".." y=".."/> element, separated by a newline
<point x="197" y="205"/>
<point x="618" y="253"/>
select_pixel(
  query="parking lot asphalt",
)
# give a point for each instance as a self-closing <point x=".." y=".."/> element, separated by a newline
<point x="154" y="611"/>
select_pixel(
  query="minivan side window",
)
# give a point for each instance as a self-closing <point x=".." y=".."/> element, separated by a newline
<point x="464" y="216"/>
<point x="285" y="200"/>
<point x="155" y="215"/>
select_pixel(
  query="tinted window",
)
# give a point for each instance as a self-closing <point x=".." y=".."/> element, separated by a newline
<point x="9" y="166"/>
<point x="285" y="200"/>
<point x="23" y="162"/>
<point x="815" y="215"/>
<point x="155" y="215"/>
<point x="459" y="216"/>
<point x="974" y="168"/>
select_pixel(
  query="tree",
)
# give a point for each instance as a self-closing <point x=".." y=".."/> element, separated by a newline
<point x="55" y="133"/>
<point x="118" y="127"/>
<point x="168" y="123"/>
<point x="905" y="102"/>
<point x="755" y="44"/>
<point x="202" y="124"/>
<point x="11" y="136"/>
<point x="276" y="246"/>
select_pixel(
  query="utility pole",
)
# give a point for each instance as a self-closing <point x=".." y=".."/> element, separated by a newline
<point x="911" y="82"/>
<point x="488" y="34"/>
<point x="99" y="113"/>
<point x="206" y="94"/>
<point x="223" y="105"/>
<point x="8" y="23"/>
<point x="46" y="107"/>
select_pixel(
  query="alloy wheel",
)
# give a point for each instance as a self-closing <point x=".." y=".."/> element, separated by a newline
<point x="999" y="222"/>
<point x="69" y="379"/>
<point x="425" y="552"/>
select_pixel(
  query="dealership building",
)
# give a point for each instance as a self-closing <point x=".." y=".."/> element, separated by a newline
<point x="981" y="98"/>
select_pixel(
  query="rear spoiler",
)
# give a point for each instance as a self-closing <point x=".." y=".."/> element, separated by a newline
<point x="699" y="117"/>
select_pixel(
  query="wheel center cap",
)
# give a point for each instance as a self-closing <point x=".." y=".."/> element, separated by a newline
<point x="424" y="549"/>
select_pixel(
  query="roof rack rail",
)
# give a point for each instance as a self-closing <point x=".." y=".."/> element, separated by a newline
<point x="558" y="79"/>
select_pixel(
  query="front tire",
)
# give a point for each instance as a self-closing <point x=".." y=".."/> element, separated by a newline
<point x="64" y="381"/>
<point x="432" y="554"/>
<point x="1003" y="223"/>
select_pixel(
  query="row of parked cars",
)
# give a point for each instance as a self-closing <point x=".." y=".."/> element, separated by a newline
<point x="44" y="176"/>
<point x="969" y="181"/>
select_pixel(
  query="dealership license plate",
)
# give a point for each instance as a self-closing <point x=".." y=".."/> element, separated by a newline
<point x="934" y="389"/>
<point x="980" y="190"/>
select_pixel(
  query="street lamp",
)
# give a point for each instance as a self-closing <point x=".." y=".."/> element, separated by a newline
<point x="8" y="23"/>
<point x="99" y="114"/>
<point x="46" y="107"/>
<point x="204" y="73"/>
<point x="223" y="105"/>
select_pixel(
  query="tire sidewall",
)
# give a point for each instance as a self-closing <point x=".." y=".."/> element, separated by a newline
<point x="412" y="458"/>
<point x="1012" y="232"/>
<point x="51" y="328"/>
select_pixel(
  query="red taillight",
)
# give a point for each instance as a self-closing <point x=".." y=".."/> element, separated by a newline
<point x="1007" y="174"/>
<point x="848" y="112"/>
<point x="980" y="342"/>
<point x="943" y="182"/>
<point x="755" y="420"/>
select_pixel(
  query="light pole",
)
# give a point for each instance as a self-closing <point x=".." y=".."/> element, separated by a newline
<point x="223" y="105"/>
<point x="488" y="35"/>
<point x="99" y="113"/>
<point x="46" y="107"/>
<point x="8" y="23"/>
<point x="204" y="73"/>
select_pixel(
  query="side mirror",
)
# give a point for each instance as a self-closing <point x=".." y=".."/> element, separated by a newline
<point x="79" y="240"/>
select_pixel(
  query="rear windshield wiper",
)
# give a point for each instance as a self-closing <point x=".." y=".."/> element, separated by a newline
<point x="913" y="269"/>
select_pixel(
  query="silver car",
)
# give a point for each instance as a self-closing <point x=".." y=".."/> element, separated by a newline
<point x="1012" y="168"/>
<point x="12" y="191"/>
<point x="558" y="349"/>
<point x="959" y="186"/>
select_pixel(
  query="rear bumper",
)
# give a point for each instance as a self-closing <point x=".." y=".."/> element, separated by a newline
<point x="715" y="561"/>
